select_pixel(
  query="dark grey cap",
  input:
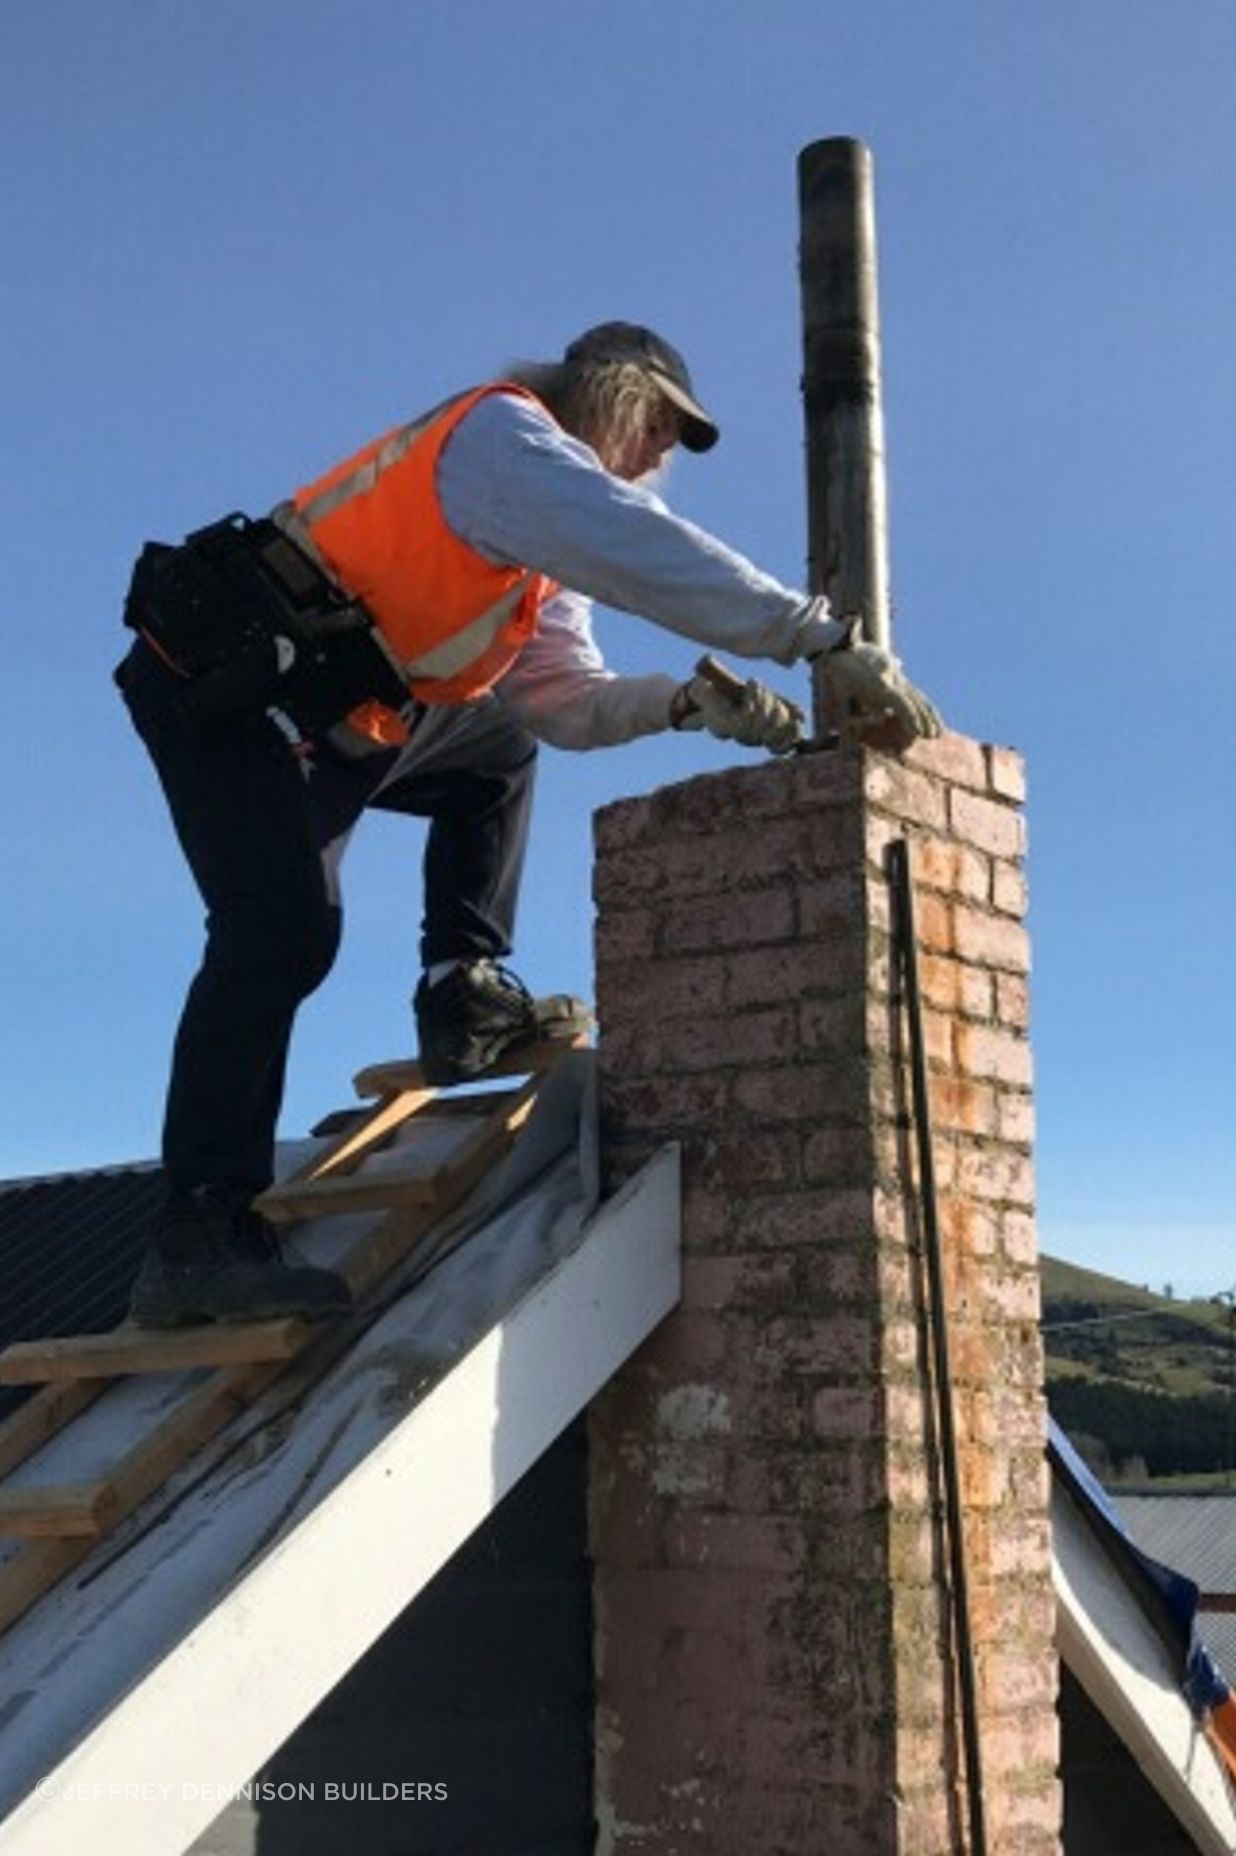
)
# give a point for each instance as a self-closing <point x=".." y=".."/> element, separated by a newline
<point x="629" y="341"/>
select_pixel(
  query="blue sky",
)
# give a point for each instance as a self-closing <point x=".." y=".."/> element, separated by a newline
<point x="241" y="237"/>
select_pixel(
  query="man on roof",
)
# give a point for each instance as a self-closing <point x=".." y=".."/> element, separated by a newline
<point x="400" y="634"/>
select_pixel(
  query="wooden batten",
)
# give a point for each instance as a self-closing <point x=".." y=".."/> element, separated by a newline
<point x="48" y="1411"/>
<point x="149" y="1350"/>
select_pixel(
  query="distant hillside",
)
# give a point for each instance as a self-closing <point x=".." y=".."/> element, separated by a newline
<point x="1142" y="1383"/>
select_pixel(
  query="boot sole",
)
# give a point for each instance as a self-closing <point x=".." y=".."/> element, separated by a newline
<point x="445" y="1073"/>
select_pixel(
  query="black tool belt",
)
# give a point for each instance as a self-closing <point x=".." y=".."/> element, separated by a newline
<point x="252" y="623"/>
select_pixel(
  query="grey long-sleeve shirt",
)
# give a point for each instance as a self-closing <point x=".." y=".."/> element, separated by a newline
<point x="519" y="490"/>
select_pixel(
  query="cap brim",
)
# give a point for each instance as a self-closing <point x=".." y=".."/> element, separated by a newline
<point x="699" y="432"/>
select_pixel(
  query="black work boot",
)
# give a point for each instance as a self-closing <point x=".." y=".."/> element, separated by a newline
<point x="213" y="1258"/>
<point x="478" y="1012"/>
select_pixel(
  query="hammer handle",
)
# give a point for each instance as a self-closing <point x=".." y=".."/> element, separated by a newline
<point x="723" y="681"/>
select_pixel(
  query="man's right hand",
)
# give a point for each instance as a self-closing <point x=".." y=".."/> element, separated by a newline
<point x="749" y="712"/>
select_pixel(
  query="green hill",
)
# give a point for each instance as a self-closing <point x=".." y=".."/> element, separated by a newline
<point x="1144" y="1384"/>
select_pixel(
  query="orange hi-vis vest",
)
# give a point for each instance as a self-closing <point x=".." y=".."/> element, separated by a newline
<point x="452" y="621"/>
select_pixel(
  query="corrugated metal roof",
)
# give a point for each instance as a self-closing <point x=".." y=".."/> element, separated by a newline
<point x="1194" y="1534"/>
<point x="1218" y="1631"/>
<point x="69" y="1250"/>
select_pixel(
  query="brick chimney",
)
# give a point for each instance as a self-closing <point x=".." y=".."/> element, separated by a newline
<point x="774" y="1664"/>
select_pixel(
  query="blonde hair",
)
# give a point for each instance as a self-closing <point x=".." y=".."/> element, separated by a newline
<point x="604" y="403"/>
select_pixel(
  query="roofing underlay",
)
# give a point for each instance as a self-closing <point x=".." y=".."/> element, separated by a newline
<point x="180" y="1647"/>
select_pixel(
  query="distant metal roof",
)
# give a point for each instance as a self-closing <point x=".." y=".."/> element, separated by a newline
<point x="1195" y="1534"/>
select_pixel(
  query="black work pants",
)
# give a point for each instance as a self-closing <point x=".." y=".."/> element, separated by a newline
<point x="264" y="829"/>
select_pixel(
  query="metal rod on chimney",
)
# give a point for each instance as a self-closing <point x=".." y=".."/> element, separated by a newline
<point x="847" y="498"/>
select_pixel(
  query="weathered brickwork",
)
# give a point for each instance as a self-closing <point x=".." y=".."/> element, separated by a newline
<point x="770" y="1585"/>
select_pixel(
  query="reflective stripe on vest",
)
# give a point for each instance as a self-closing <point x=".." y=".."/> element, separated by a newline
<point x="453" y="621"/>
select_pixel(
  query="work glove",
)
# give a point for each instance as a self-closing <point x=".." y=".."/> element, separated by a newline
<point x="872" y="693"/>
<point x="750" y="713"/>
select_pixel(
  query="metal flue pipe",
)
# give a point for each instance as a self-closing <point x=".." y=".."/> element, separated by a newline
<point x="847" y="498"/>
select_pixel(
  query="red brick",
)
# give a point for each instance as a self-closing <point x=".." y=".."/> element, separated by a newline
<point x="744" y="919"/>
<point x="953" y="986"/>
<point x="909" y="1483"/>
<point x="740" y="1163"/>
<point x="697" y="1043"/>
<point x="880" y="832"/>
<point x="901" y="1346"/>
<point x="1011" y="1680"/>
<point x="833" y="779"/>
<point x="1007" y="774"/>
<point x="996" y="1174"/>
<point x="833" y="908"/>
<point x="985" y="823"/>
<point x="955" y="868"/>
<point x="1016" y="1298"/>
<point x="663" y="988"/>
<point x="924" y="1823"/>
<point x="1020" y="1546"/>
<point x="664" y="1600"/>
<point x="830" y="1026"/>
<point x="994" y="1414"/>
<point x="755" y="1543"/>
<point x="850" y="1412"/>
<point x="664" y="1102"/>
<point x="1009" y="891"/>
<point x="626" y="934"/>
<point x="1018" y="1236"/>
<point x="1001" y="1055"/>
<point x="1030" y="1480"/>
<point x="808" y="1218"/>
<point x="1012" y="1001"/>
<point x="841" y="1343"/>
<point x="1017" y="1118"/>
<point x="627" y="821"/>
<point x="717" y="803"/>
<point x="1014" y="1743"/>
<point x="906" y="1412"/>
<point x="839" y="1156"/>
<point x="991" y="940"/>
<point x="773" y="975"/>
<point x="968" y="1226"/>
<point x="626" y="877"/>
<point x="908" y="795"/>
<point x="754" y="1279"/>
<point x="839" y="1276"/>
<point x="801" y="1092"/>
<point x="632" y="1534"/>
<point x="687" y="1345"/>
<point x="968" y="1107"/>
<point x="954" y="758"/>
<point x="934" y="922"/>
<point x="984" y="1478"/>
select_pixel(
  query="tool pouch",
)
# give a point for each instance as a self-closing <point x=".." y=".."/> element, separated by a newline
<point x="250" y="623"/>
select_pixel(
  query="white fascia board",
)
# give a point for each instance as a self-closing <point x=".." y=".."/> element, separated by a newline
<point x="1116" y="1653"/>
<point x="205" y="1718"/>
